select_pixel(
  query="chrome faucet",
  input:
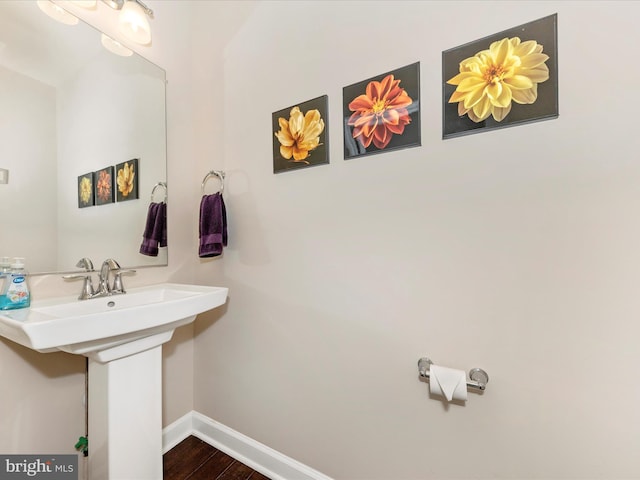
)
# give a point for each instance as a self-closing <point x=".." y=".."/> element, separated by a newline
<point x="87" y="285"/>
<point x="103" y="279"/>
<point x="104" y="288"/>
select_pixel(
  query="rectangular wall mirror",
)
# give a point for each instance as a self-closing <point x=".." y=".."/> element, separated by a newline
<point x="70" y="108"/>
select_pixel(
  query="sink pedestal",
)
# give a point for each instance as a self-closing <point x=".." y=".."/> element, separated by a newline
<point x="125" y="417"/>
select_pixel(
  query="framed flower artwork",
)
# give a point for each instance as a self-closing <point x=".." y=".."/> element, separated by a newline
<point x="502" y="80"/>
<point x="382" y="113"/>
<point x="300" y="135"/>
<point x="103" y="186"/>
<point x="127" y="180"/>
<point x="85" y="190"/>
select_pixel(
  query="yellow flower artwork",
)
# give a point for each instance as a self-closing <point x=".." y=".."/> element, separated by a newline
<point x="85" y="190"/>
<point x="127" y="180"/>
<point x="509" y="71"/>
<point x="505" y="79"/>
<point x="126" y="175"/>
<point x="299" y="135"/>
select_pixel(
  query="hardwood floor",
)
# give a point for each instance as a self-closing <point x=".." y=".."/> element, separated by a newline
<point x="193" y="459"/>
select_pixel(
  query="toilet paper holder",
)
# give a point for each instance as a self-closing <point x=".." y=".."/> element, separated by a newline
<point x="478" y="377"/>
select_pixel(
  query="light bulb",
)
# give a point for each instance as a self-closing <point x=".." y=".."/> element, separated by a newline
<point x="134" y="24"/>
<point x="57" y="13"/>
<point x="114" y="46"/>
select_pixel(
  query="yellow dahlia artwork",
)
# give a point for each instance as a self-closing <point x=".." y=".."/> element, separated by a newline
<point x="299" y="135"/>
<point x="505" y="79"/>
<point x="85" y="190"/>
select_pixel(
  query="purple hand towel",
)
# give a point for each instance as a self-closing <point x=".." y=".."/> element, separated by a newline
<point x="161" y="228"/>
<point x="213" y="226"/>
<point x="155" y="230"/>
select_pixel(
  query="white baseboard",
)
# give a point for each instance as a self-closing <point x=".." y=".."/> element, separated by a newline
<point x="173" y="434"/>
<point x="259" y="457"/>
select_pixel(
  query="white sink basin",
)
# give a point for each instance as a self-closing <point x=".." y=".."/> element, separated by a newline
<point x="111" y="327"/>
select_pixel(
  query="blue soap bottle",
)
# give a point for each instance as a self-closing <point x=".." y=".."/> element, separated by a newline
<point x="15" y="291"/>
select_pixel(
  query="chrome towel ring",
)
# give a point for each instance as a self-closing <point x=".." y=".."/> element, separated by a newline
<point x="216" y="173"/>
<point x="159" y="185"/>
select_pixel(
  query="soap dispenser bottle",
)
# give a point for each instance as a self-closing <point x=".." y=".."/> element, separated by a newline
<point x="15" y="291"/>
<point x="5" y="266"/>
<point x="5" y="269"/>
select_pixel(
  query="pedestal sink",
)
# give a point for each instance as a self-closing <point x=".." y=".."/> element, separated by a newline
<point x="122" y="335"/>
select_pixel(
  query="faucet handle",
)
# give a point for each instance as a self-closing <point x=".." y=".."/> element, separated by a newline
<point x="118" y="287"/>
<point x="87" y="286"/>
<point x="113" y="264"/>
<point x="85" y="263"/>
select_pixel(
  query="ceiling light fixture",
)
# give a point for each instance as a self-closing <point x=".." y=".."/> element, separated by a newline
<point x="57" y="13"/>
<point x="134" y="24"/>
<point x="132" y="21"/>
<point x="115" y="47"/>
<point x="115" y="4"/>
<point x="89" y="4"/>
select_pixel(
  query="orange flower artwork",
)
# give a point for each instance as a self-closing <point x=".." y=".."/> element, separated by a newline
<point x="379" y="117"/>
<point x="380" y="113"/>
<point x="104" y="186"/>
